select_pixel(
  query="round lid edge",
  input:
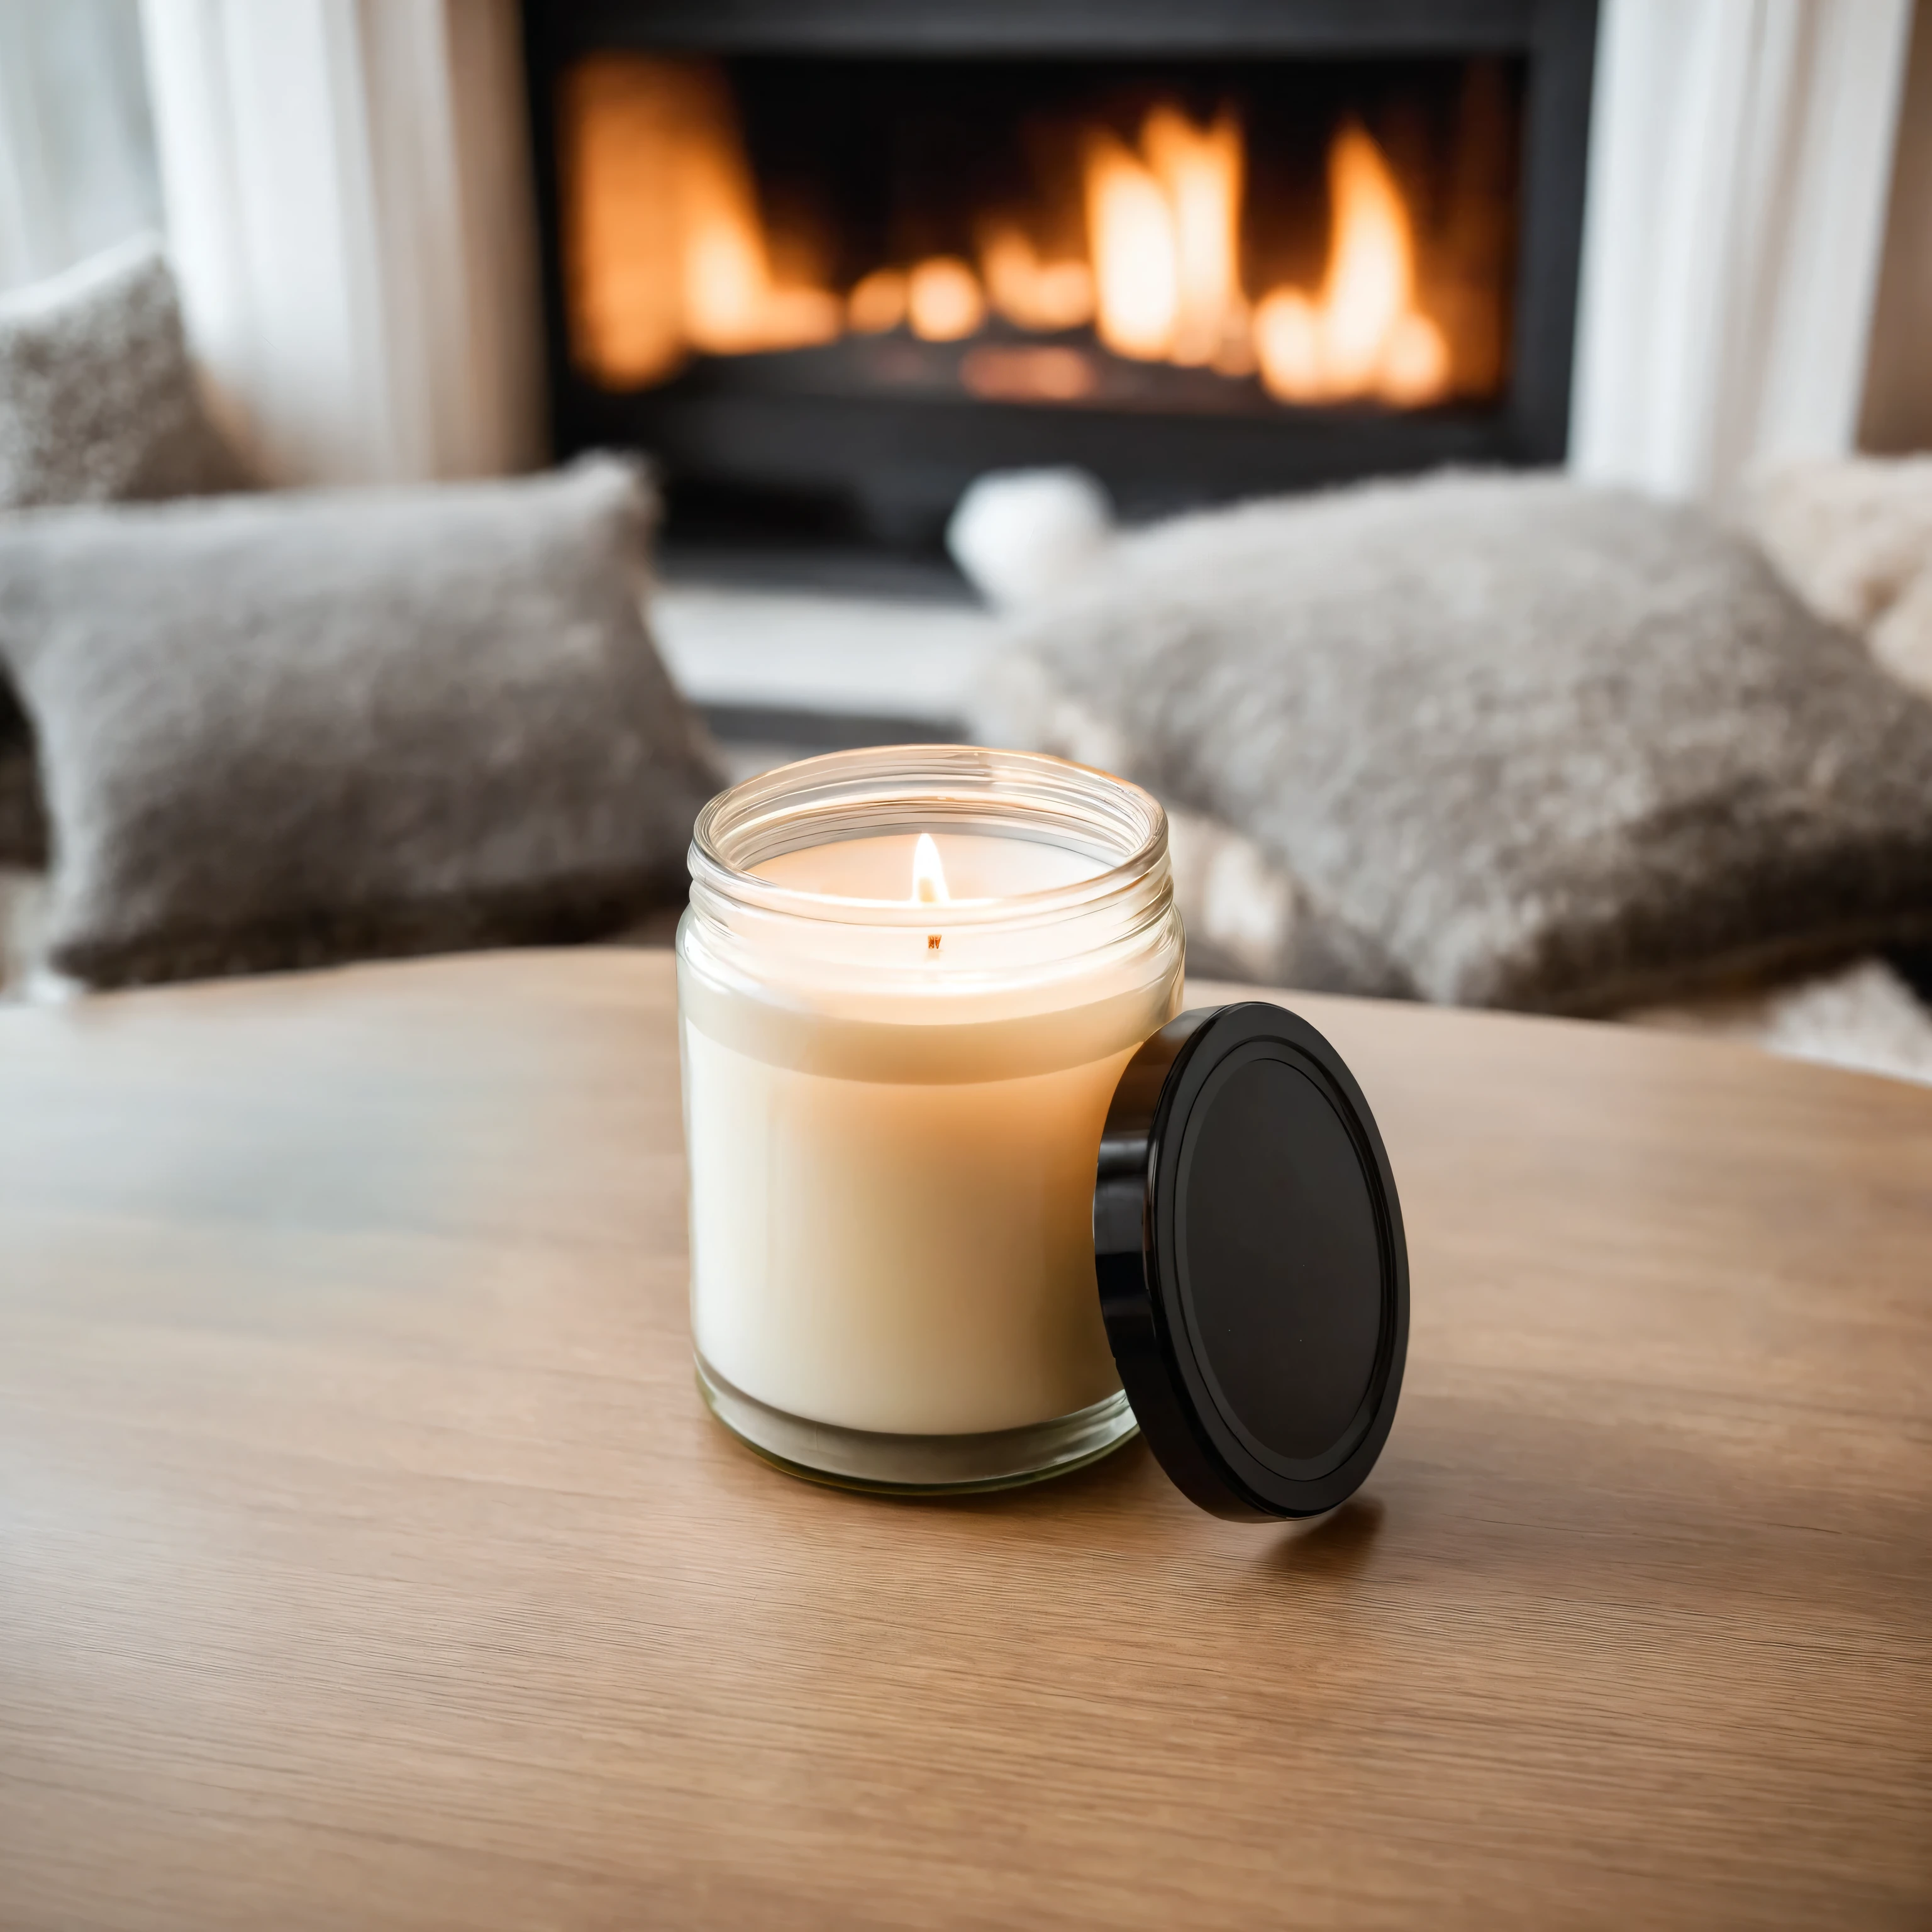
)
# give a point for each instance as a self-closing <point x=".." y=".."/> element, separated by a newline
<point x="1153" y="1325"/>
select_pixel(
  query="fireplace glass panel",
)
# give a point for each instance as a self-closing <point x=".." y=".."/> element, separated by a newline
<point x="1199" y="237"/>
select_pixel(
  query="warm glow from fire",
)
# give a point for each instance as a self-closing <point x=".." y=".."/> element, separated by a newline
<point x="1362" y="333"/>
<point x="732" y="302"/>
<point x="1028" y="372"/>
<point x="877" y="303"/>
<point x="670" y="254"/>
<point x="1136" y="274"/>
<point x="1200" y="171"/>
<point x="1045" y="296"/>
<point x="942" y="300"/>
<point x="688" y="266"/>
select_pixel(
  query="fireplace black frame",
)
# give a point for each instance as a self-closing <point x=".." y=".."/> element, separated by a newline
<point x="904" y="461"/>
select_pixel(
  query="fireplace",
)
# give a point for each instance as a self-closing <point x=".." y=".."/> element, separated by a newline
<point x="828" y="260"/>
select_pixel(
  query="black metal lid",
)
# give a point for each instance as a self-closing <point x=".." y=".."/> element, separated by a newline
<point x="1252" y="1268"/>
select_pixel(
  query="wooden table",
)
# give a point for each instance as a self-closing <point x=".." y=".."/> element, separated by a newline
<point x="367" y="1559"/>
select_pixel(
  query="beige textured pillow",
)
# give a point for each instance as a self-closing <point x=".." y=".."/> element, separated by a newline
<point x="23" y="831"/>
<point x="1852" y="536"/>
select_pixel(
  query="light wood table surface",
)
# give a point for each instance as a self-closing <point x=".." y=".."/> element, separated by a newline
<point x="367" y="1559"/>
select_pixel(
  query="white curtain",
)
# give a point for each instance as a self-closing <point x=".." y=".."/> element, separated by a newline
<point x="76" y="150"/>
<point x="1897" y="416"/>
<point x="1741" y="155"/>
<point x="347" y="196"/>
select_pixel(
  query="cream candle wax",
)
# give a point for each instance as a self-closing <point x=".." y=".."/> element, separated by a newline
<point x="908" y="981"/>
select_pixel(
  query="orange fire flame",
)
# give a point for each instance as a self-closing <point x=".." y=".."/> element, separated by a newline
<point x="1200" y="171"/>
<point x="665" y="233"/>
<point x="1044" y="296"/>
<point x="1362" y="333"/>
<point x="668" y="255"/>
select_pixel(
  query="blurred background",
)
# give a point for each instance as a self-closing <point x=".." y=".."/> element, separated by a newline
<point x="928" y="317"/>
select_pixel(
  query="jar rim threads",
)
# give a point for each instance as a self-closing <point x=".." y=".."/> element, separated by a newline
<point x="887" y="789"/>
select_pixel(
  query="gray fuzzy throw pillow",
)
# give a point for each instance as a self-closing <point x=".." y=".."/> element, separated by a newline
<point x="282" y="729"/>
<point x="1516" y="742"/>
<point x="23" y="832"/>
<point x="98" y="401"/>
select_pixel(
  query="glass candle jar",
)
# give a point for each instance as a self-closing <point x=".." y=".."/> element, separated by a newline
<point x="908" y="980"/>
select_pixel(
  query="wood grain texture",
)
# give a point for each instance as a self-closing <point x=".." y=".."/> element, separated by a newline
<point x="367" y="1557"/>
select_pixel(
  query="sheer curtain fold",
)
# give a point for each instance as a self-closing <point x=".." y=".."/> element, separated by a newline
<point x="77" y="149"/>
<point x="347" y="203"/>
<point x="1741" y="157"/>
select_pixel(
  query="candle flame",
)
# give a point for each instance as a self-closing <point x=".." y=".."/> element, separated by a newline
<point x="928" y="875"/>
